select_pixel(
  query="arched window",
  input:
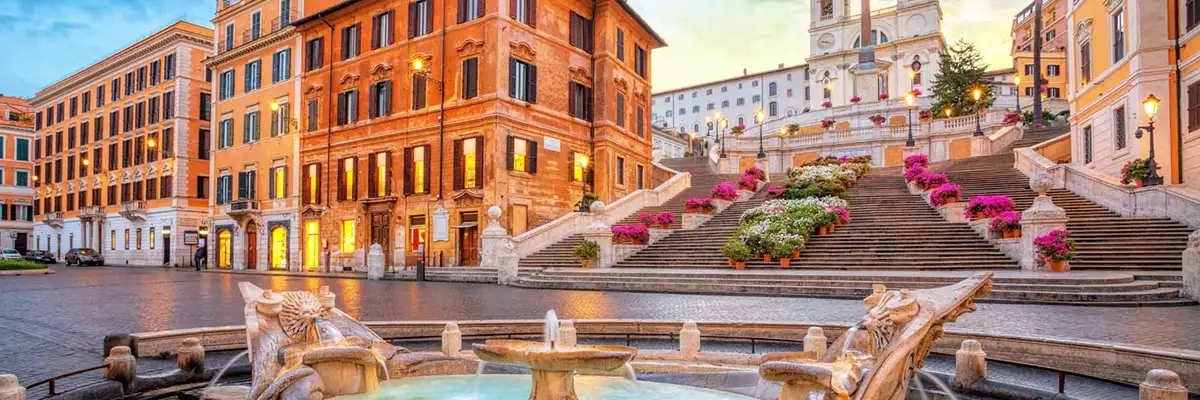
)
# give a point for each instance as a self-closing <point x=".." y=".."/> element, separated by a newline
<point x="224" y="248"/>
<point x="877" y="38"/>
<point x="696" y="128"/>
<point x="741" y="121"/>
<point x="773" y="109"/>
<point x="279" y="248"/>
<point x="772" y="89"/>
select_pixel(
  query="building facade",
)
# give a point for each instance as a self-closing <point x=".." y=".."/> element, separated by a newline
<point x="780" y="92"/>
<point x="118" y="154"/>
<point x="16" y="173"/>
<point x="255" y="146"/>
<point x="418" y="116"/>
<point x="1054" y="27"/>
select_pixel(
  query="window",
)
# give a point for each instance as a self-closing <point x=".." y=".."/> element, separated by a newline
<point x="756" y="99"/>
<point x="1053" y="70"/>
<point x="229" y="37"/>
<point x="420" y="93"/>
<point x="468" y="166"/>
<point x="168" y="105"/>
<point x="580" y="101"/>
<point x="205" y="106"/>
<point x="255" y="25"/>
<point x="225" y="133"/>
<point x="151" y="239"/>
<point x="152" y="110"/>
<point x="1050" y="35"/>
<point x="380" y="98"/>
<point x="773" y="109"/>
<point x="312" y="184"/>
<point x="1054" y="93"/>
<point x="640" y="61"/>
<point x="522" y="80"/>
<point x="126" y="239"/>
<point x="347" y="244"/>
<point x="1192" y="14"/>
<point x="347" y="112"/>
<point x="641" y="121"/>
<point x="98" y="128"/>
<point x="141" y="79"/>
<point x="1119" y="127"/>
<point x="470" y="78"/>
<point x="641" y="173"/>
<point x="22" y="149"/>
<point x="382" y="29"/>
<point x="281" y="65"/>
<point x="155" y="67"/>
<point x="250" y="127"/>
<point x="469" y="10"/>
<point x="253" y="75"/>
<point x="416" y="170"/>
<point x="87" y="104"/>
<point x="203" y="144"/>
<point x="711" y="106"/>
<point x="522" y="155"/>
<point x="226" y="87"/>
<point x="379" y="171"/>
<point x="524" y="11"/>
<point x="347" y="185"/>
<point x="741" y="101"/>
<point x="772" y="89"/>
<point x="100" y="96"/>
<point x="280" y="120"/>
<point x="314" y="54"/>
<point x="724" y="103"/>
<point x="578" y="166"/>
<point x="313" y="115"/>
<point x="112" y="156"/>
<point x="621" y="110"/>
<point x="351" y="40"/>
<point x="169" y="67"/>
<point x="201" y="187"/>
<point x="581" y="32"/>
<point x="1087" y="145"/>
<point x="620" y="170"/>
<point x="1030" y="69"/>
<point x="1193" y="105"/>
<point x="247" y="185"/>
<point x="420" y="18"/>
<point x="22" y="178"/>
<point x="1118" y="31"/>
<point x="116" y="94"/>
<point x="1029" y="91"/>
<point x="621" y="46"/>
<point x="1085" y="62"/>
<point x="140" y="115"/>
<point x="225" y="189"/>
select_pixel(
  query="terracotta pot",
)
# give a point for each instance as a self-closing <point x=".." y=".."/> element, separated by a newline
<point x="822" y="231"/>
<point x="796" y="254"/>
<point x="980" y="215"/>
<point x="1016" y="233"/>
<point x="665" y="226"/>
<point x="831" y="228"/>
<point x="740" y="265"/>
<point x="767" y="257"/>
<point x="951" y="200"/>
<point x="1139" y="182"/>
<point x="586" y="263"/>
<point x="785" y="262"/>
<point x="729" y="261"/>
<point x="1058" y="266"/>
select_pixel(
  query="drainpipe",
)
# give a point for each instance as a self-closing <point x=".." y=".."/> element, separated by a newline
<point x="442" y="111"/>
<point x="329" y="115"/>
<point x="1178" y="104"/>
<point x="592" y="120"/>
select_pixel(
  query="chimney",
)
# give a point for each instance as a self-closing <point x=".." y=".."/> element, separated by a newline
<point x="780" y="65"/>
<point x="745" y="72"/>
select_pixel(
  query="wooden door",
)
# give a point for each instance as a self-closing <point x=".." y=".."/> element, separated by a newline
<point x="381" y="233"/>
<point x="468" y="239"/>
<point x="251" y="246"/>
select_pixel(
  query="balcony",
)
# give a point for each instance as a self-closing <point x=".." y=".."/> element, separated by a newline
<point x="91" y="213"/>
<point x="134" y="210"/>
<point x="252" y="34"/>
<point x="54" y="219"/>
<point x="241" y="210"/>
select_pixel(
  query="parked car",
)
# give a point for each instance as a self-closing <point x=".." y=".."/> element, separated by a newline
<point x="83" y="257"/>
<point x="11" y="254"/>
<point x="41" y="256"/>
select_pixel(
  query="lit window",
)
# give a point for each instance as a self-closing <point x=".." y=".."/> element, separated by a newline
<point x="348" y="178"/>
<point x="312" y="245"/>
<point x="416" y="233"/>
<point x="418" y="170"/>
<point x="224" y="248"/>
<point x="151" y="238"/>
<point x="381" y="174"/>
<point x="348" y="236"/>
<point x="280" y="177"/>
<point x="278" y="248"/>
<point x="520" y="155"/>
<point x="580" y="166"/>
<point x="469" y="160"/>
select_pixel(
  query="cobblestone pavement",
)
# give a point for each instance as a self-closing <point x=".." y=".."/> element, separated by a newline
<point x="55" y="323"/>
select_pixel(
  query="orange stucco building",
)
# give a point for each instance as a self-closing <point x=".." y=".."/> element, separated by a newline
<point x="542" y="101"/>
<point x="118" y="152"/>
<point x="16" y="171"/>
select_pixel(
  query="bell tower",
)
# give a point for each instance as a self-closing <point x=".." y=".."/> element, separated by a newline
<point x="825" y="12"/>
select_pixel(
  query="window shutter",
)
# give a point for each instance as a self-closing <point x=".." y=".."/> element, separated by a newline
<point x="354" y="187"/>
<point x="375" y="31"/>
<point x="271" y="183"/>
<point x="512" y="8"/>
<point x="320" y="185"/>
<point x="341" y="181"/>
<point x="372" y="186"/>
<point x="479" y="161"/>
<point x="588" y="102"/>
<point x="458" y="164"/>
<point x="512" y="77"/>
<point x="533" y="161"/>
<point x="429" y="17"/>
<point x="462" y="11"/>
<point x="371" y="107"/>
<point x="481" y="6"/>
<point x="574" y="34"/>
<point x="242" y="185"/>
<point x="572" y="88"/>
<point x="387" y="99"/>
<point x="408" y="172"/>
<point x="532" y="7"/>
<point x="509" y="163"/>
<point x="412" y="20"/>
<point x="428" y="177"/>
<point x="571" y="166"/>
<point x="532" y="84"/>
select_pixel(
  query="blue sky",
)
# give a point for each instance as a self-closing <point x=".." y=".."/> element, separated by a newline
<point x="47" y="40"/>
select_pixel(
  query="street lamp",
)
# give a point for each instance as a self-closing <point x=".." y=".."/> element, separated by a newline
<point x="724" y="123"/>
<point x="910" y="100"/>
<point x="977" y="94"/>
<point x="583" y="164"/>
<point x="759" y="117"/>
<point x="421" y="70"/>
<point x="949" y="112"/>
<point x="1150" y="106"/>
<point x="1017" y="81"/>
<point x="692" y="144"/>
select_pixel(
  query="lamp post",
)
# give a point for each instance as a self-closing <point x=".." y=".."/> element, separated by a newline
<point x="1017" y="81"/>
<point x="421" y="70"/>
<point x="977" y="94"/>
<point x="723" y="123"/>
<point x="692" y="144"/>
<point x="583" y="205"/>
<point x="1150" y="106"/>
<point x="759" y="117"/>
<point x="910" y="100"/>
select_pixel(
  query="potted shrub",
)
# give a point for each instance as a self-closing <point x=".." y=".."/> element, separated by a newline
<point x="737" y="253"/>
<point x="916" y="159"/>
<point x="756" y="172"/>
<point x="784" y="250"/>
<point x="737" y="130"/>
<point x="775" y="192"/>
<point x="747" y="182"/>
<point x="827" y="104"/>
<point x="883" y="97"/>
<point x="823" y="220"/>
<point x="1055" y="249"/>
<point x="842" y="215"/>
<point x="1012" y="118"/>
<point x="929" y="181"/>
<point x="945" y="194"/>
<point x="916" y="92"/>
<point x="725" y="191"/>
<point x="878" y="120"/>
<point x="855" y="99"/>
<point x="827" y="123"/>
<point x="699" y="205"/>
<point x="793" y="129"/>
<point x="630" y="234"/>
<point x="1135" y="172"/>
<point x="585" y="204"/>
<point x="914" y="172"/>
<point x="587" y="253"/>
<point x="664" y="220"/>
<point x="1007" y="225"/>
<point x="982" y="207"/>
<point x="647" y="218"/>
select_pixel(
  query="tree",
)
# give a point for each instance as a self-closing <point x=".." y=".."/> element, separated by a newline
<point x="961" y="71"/>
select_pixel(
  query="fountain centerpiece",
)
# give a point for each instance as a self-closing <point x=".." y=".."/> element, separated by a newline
<point x="877" y="357"/>
<point x="553" y="366"/>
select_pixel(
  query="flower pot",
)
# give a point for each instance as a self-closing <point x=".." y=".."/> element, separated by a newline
<point x="822" y="231"/>
<point x="951" y="200"/>
<point x="1058" y="266"/>
<point x="586" y="263"/>
<point x="831" y="228"/>
<point x="785" y="262"/>
<point x="1139" y="182"/>
<point x="796" y="254"/>
<point x="767" y="257"/>
<point x="980" y="215"/>
<point x="665" y="226"/>
<point x="740" y="265"/>
<point x="729" y="261"/>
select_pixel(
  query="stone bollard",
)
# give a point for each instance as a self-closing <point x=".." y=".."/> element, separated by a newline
<point x="1040" y="219"/>
<point x="1162" y="384"/>
<point x="10" y="388"/>
<point x="1191" y="267"/>
<point x="970" y="364"/>
<point x="121" y="367"/>
<point x="375" y="261"/>
<point x="451" y="340"/>
<point x="689" y="340"/>
<point x="190" y="359"/>
<point x="566" y="333"/>
<point x="815" y="342"/>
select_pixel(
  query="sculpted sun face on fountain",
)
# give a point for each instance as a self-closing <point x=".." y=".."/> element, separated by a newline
<point x="299" y="314"/>
<point x="887" y="313"/>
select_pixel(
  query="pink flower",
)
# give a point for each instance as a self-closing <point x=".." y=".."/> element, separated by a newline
<point x="855" y="99"/>
<point x="930" y="180"/>
<point x="1055" y="246"/>
<point x="775" y="192"/>
<point x="911" y="173"/>
<point x="646" y="218"/>
<point x="883" y="96"/>
<point x="827" y="104"/>
<point x="748" y="182"/>
<point x="724" y="191"/>
<point x="665" y="218"/>
<point x="944" y="193"/>
<point x="635" y="233"/>
<point x="990" y="206"/>
<point x="1005" y="221"/>
<point x="756" y="173"/>
<point x="916" y="159"/>
<point x="843" y="215"/>
<point x="699" y="204"/>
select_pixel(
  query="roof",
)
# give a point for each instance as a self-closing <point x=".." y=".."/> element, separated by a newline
<point x="320" y="14"/>
<point x="727" y="80"/>
<point x="638" y="17"/>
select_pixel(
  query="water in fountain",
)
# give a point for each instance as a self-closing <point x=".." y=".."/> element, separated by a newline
<point x="916" y="381"/>
<point x="550" y="331"/>
<point x="849" y="340"/>
<point x="479" y="373"/>
<point x="946" y="391"/>
<point x="630" y="373"/>
<point x="217" y="377"/>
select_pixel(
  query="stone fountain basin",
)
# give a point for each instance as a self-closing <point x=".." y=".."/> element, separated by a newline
<point x="537" y="356"/>
<point x="515" y="387"/>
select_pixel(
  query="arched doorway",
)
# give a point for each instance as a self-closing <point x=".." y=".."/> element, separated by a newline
<point x="279" y="248"/>
<point x="251" y="245"/>
<point x="312" y="245"/>
<point x="224" y="248"/>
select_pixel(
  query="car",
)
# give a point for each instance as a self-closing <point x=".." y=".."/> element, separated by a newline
<point x="11" y="254"/>
<point x="41" y="256"/>
<point x="83" y="257"/>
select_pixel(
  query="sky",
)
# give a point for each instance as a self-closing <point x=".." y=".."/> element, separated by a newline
<point x="708" y="39"/>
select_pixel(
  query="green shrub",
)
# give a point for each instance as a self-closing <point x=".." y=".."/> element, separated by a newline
<point x="785" y="248"/>
<point x="588" y="250"/>
<point x="735" y="250"/>
<point x="13" y="265"/>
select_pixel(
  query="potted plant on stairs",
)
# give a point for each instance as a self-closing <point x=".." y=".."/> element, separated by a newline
<point x="737" y="253"/>
<point x="1135" y="172"/>
<point x="587" y="253"/>
<point x="1006" y="225"/>
<point x="664" y="220"/>
<point x="1055" y="249"/>
<point x="784" y="250"/>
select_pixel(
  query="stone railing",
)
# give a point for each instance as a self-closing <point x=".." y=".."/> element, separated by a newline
<point x="996" y="141"/>
<point x="866" y="132"/>
<point x="572" y="223"/>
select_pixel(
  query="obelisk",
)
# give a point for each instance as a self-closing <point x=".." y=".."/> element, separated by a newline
<point x="866" y="73"/>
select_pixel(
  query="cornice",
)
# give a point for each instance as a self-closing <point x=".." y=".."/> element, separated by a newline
<point x="273" y="38"/>
<point x="104" y="68"/>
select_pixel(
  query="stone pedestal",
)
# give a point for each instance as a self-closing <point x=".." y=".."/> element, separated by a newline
<point x="375" y="261"/>
<point x="693" y="221"/>
<point x="719" y="205"/>
<point x="567" y="336"/>
<point x="970" y="364"/>
<point x="122" y="367"/>
<point x="1010" y="247"/>
<point x="953" y="212"/>
<point x="658" y="234"/>
<point x="1162" y="384"/>
<point x="744" y="195"/>
<point x="866" y="78"/>
<point x="190" y="359"/>
<point x="622" y="251"/>
<point x="10" y="388"/>
<point x="765" y="165"/>
<point x="815" y="342"/>
<point x="451" y="340"/>
<point x="1191" y="267"/>
<point x="689" y="340"/>
<point x="601" y="233"/>
<point x="908" y="151"/>
<point x="981" y="226"/>
<point x="1040" y="219"/>
<point x="724" y="166"/>
<point x="925" y="195"/>
<point x="498" y="250"/>
<point x="913" y="188"/>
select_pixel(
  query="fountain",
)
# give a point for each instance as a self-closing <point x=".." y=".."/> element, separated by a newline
<point x="876" y="358"/>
